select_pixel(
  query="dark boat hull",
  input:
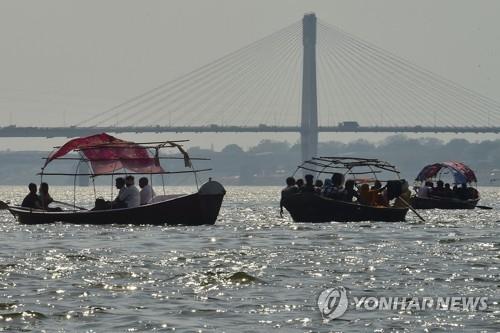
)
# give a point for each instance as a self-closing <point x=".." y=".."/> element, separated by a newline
<point x="192" y="209"/>
<point x="311" y="207"/>
<point x="429" y="203"/>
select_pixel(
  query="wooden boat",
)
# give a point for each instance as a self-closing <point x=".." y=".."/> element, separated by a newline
<point x="314" y="207"/>
<point x="190" y="209"/>
<point x="443" y="203"/>
<point x="201" y="207"/>
<point x="460" y="174"/>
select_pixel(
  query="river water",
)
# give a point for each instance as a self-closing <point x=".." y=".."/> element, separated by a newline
<point x="251" y="272"/>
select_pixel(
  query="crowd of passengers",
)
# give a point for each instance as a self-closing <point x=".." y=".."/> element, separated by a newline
<point x="442" y="190"/>
<point x="129" y="196"/>
<point x="338" y="188"/>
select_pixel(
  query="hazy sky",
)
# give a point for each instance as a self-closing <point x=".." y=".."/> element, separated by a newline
<point x="64" y="60"/>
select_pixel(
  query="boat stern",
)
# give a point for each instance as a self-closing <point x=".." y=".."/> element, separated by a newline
<point x="211" y="195"/>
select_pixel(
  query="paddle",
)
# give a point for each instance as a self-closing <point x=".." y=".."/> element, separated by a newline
<point x="411" y="208"/>
<point x="69" y="205"/>
<point x="484" y="207"/>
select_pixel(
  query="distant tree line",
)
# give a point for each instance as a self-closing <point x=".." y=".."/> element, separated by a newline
<point x="270" y="162"/>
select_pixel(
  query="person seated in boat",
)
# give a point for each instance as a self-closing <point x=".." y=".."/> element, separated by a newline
<point x="338" y="180"/>
<point x="32" y="200"/>
<point x="349" y="192"/>
<point x="374" y="196"/>
<point x="44" y="195"/>
<point x="425" y="190"/>
<point x="438" y="191"/>
<point x="327" y="186"/>
<point x="473" y="193"/>
<point x="447" y="192"/>
<point x="381" y="197"/>
<point x="300" y="183"/>
<point x="367" y="196"/>
<point x="46" y="199"/>
<point x="289" y="190"/>
<point x="147" y="193"/>
<point x="402" y="201"/>
<point x="130" y="194"/>
<point x="318" y="186"/>
<point x="309" y="185"/>
<point x="463" y="192"/>
<point x="118" y="202"/>
<point x="290" y="186"/>
<point x="336" y="188"/>
<point x="377" y="185"/>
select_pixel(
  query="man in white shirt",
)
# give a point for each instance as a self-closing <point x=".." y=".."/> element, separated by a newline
<point x="120" y="185"/>
<point x="425" y="190"/>
<point x="147" y="192"/>
<point x="130" y="194"/>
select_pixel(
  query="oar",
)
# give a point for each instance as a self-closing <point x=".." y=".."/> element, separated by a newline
<point x="3" y="205"/>
<point x="484" y="207"/>
<point x="69" y="205"/>
<point x="412" y="209"/>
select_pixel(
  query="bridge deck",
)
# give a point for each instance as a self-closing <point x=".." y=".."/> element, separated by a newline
<point x="15" y="131"/>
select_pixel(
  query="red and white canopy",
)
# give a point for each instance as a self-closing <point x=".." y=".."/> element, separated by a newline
<point x="107" y="154"/>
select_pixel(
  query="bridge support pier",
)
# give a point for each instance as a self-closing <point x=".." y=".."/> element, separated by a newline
<point x="309" y="122"/>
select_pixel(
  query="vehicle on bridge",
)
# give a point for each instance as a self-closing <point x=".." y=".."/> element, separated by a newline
<point x="463" y="195"/>
<point x="111" y="156"/>
<point x="313" y="206"/>
<point x="349" y="124"/>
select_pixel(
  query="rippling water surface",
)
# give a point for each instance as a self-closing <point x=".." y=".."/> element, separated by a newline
<point x="251" y="272"/>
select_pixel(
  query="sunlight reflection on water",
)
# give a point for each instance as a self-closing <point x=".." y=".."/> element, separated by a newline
<point x="252" y="270"/>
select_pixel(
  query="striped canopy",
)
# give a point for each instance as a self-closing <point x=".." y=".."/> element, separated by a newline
<point x="461" y="173"/>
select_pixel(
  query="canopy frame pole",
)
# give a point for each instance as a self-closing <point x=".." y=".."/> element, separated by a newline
<point x="353" y="175"/>
<point x="163" y="183"/>
<point x="151" y="180"/>
<point x="112" y="179"/>
<point x="93" y="185"/>
<point x="195" y="175"/>
<point x="196" y="180"/>
<point x="43" y="169"/>
<point x="323" y="169"/>
<point x="74" y="184"/>
<point x="157" y="158"/>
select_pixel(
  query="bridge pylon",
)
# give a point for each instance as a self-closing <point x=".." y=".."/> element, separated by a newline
<point x="309" y="122"/>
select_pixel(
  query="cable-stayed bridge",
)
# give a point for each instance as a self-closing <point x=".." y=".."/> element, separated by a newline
<point x="309" y="77"/>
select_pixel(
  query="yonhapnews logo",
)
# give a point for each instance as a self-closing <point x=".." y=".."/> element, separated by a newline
<point x="334" y="302"/>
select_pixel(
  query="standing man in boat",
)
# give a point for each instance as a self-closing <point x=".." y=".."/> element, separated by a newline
<point x="404" y="198"/>
<point x="147" y="192"/>
<point x="32" y="200"/>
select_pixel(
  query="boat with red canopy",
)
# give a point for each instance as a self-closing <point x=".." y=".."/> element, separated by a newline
<point x="463" y="195"/>
<point x="106" y="155"/>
